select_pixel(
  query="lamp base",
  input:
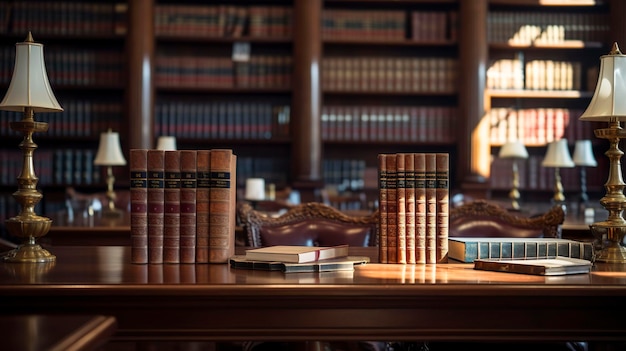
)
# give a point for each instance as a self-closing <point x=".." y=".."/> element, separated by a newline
<point x="609" y="236"/>
<point x="29" y="253"/>
<point x="29" y="228"/>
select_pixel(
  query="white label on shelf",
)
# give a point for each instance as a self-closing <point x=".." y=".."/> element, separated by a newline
<point x="241" y="52"/>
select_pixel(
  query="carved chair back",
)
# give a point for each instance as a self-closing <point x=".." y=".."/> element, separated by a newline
<point x="483" y="219"/>
<point x="309" y="224"/>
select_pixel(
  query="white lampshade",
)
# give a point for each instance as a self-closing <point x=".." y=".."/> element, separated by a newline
<point x="255" y="189"/>
<point x="558" y="155"/>
<point x="29" y="85"/>
<point x="166" y="143"/>
<point x="109" y="151"/>
<point x="513" y="149"/>
<point x="583" y="154"/>
<point x="609" y="98"/>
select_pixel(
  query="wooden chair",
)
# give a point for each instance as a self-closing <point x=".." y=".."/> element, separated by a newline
<point x="309" y="224"/>
<point x="480" y="218"/>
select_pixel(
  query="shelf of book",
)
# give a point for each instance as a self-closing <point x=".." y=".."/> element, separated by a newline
<point x="205" y="97"/>
<point x="84" y="54"/>
<point x="543" y="66"/>
<point x="408" y="43"/>
<point x="385" y="87"/>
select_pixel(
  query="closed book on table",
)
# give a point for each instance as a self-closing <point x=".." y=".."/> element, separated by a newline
<point x="296" y="254"/>
<point x="330" y="265"/>
<point x="536" y="266"/>
<point x="470" y="249"/>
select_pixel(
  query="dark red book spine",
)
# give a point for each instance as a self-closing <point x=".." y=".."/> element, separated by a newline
<point x="139" y="205"/>
<point x="171" y="211"/>
<point x="203" y="180"/>
<point x="188" y="181"/>
<point x="156" y="170"/>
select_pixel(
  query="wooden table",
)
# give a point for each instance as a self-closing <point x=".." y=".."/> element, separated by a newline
<point x="55" y="332"/>
<point x="375" y="301"/>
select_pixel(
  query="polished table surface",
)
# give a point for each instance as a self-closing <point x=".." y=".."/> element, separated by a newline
<point x="375" y="301"/>
<point x="55" y="333"/>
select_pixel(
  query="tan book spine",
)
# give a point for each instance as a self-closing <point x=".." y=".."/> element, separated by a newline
<point x="401" y="208"/>
<point x="139" y="205"/>
<point x="203" y="162"/>
<point x="188" y="183"/>
<point x="392" y="211"/>
<point x="409" y="170"/>
<point x="222" y="206"/>
<point x="420" y="208"/>
<point x="431" y="207"/>
<point x="171" y="210"/>
<point x="443" y="208"/>
<point x="382" y="208"/>
<point x="156" y="169"/>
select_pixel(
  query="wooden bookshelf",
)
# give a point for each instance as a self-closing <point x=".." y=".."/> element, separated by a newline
<point x="302" y="147"/>
<point x="540" y="79"/>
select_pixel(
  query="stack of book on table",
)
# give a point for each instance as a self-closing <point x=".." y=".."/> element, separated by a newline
<point x="182" y="205"/>
<point x="295" y="258"/>
<point x="413" y="207"/>
<point x="539" y="256"/>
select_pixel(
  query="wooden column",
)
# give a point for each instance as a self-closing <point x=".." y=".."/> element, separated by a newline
<point x="473" y="137"/>
<point x="140" y="64"/>
<point x="306" y="156"/>
<point x="617" y="32"/>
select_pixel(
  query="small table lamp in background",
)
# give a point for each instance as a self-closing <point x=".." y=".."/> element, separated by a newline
<point x="583" y="157"/>
<point x="608" y="104"/>
<point x="29" y="92"/>
<point x="110" y="154"/>
<point x="255" y="189"/>
<point x="166" y="143"/>
<point x="514" y="150"/>
<point x="558" y="156"/>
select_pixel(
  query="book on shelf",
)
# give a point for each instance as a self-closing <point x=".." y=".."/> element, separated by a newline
<point x="222" y="203"/>
<point x="330" y="265"/>
<point x="138" y="166"/>
<point x="188" y="199"/>
<point x="296" y="253"/>
<point x="203" y="164"/>
<point x="171" y="209"/>
<point x="156" y="169"/>
<point x="536" y="266"/>
<point x="470" y="249"/>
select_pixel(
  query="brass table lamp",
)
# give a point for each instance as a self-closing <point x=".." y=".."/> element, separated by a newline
<point x="29" y="92"/>
<point x="514" y="150"/>
<point x="557" y="157"/>
<point x="608" y="104"/>
<point x="110" y="154"/>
